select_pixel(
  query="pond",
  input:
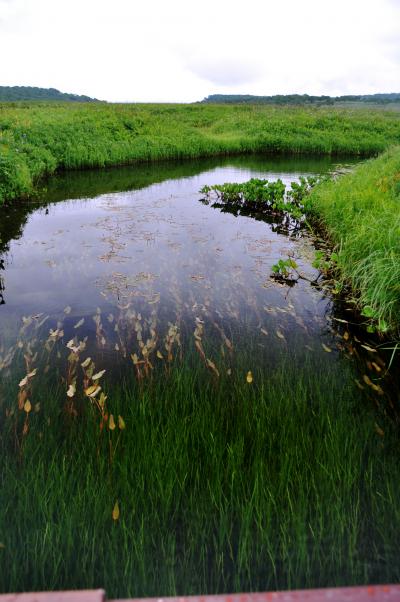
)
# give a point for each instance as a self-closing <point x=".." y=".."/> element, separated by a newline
<point x="155" y="250"/>
<point x="236" y="435"/>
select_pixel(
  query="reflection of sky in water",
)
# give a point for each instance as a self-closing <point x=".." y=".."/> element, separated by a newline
<point x="162" y="251"/>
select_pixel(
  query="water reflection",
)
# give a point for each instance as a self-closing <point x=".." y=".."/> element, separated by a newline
<point x="2" y="267"/>
<point x="153" y="272"/>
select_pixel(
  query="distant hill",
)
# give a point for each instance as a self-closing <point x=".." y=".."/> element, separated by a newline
<point x="295" y="99"/>
<point x="9" y="93"/>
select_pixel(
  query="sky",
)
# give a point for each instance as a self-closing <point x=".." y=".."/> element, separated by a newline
<point x="184" y="50"/>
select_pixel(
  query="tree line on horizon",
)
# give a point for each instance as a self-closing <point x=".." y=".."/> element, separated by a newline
<point x="16" y="93"/>
<point x="301" y="99"/>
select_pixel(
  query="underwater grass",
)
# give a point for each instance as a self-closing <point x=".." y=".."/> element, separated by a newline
<point x="360" y="213"/>
<point x="36" y="139"/>
<point x="212" y="485"/>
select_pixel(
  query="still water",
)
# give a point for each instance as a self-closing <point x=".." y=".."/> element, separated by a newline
<point x="132" y="262"/>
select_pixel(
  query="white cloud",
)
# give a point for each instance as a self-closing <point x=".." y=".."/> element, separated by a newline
<point x="182" y="51"/>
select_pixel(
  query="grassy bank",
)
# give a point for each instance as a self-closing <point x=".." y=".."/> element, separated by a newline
<point x="222" y="485"/>
<point x="38" y="139"/>
<point x="360" y="212"/>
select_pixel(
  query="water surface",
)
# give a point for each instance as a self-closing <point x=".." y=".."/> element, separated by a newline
<point x="119" y="270"/>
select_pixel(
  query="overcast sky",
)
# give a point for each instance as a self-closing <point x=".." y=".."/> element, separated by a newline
<point x="183" y="50"/>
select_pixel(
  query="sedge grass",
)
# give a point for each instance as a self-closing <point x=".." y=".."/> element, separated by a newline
<point x="360" y="212"/>
<point x="38" y="139"/>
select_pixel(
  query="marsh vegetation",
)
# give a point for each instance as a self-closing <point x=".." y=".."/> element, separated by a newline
<point x="174" y="420"/>
<point x="39" y="139"/>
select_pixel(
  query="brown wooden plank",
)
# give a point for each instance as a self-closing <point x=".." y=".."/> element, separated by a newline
<point x="372" y="593"/>
<point x="97" y="595"/>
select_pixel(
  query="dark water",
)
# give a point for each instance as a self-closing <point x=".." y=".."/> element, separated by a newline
<point x="132" y="262"/>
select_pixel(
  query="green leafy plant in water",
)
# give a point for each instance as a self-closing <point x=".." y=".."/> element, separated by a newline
<point x="298" y="190"/>
<point x="285" y="269"/>
<point x="323" y="263"/>
<point x="272" y="197"/>
<point x="376" y="323"/>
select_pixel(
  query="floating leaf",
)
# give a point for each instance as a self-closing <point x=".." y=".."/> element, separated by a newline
<point x="160" y="355"/>
<point x="23" y="382"/>
<point x="71" y="390"/>
<point x="121" y="423"/>
<point x="75" y="348"/>
<point x="86" y="363"/>
<point x="111" y="423"/>
<point x="67" y="310"/>
<point x="212" y="366"/>
<point x="370" y="349"/>
<point x="264" y="331"/>
<point x="27" y="406"/>
<point x="92" y="390"/>
<point x="249" y="377"/>
<point x="228" y="343"/>
<point x="200" y="349"/>
<point x="379" y="430"/>
<point x="326" y="348"/>
<point x="102" y="400"/>
<point x="115" y="512"/>
<point x="280" y="335"/>
<point x="80" y="323"/>
<point x="369" y="382"/>
<point x="98" y="375"/>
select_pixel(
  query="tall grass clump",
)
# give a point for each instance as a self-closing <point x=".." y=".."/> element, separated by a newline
<point x="37" y="139"/>
<point x="360" y="212"/>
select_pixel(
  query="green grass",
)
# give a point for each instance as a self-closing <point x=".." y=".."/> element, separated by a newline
<point x="38" y="139"/>
<point x="222" y="486"/>
<point x="360" y="212"/>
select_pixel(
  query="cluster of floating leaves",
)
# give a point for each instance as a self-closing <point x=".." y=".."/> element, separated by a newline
<point x="147" y="343"/>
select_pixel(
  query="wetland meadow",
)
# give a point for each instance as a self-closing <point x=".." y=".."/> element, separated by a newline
<point x="198" y="348"/>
